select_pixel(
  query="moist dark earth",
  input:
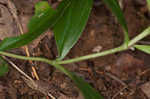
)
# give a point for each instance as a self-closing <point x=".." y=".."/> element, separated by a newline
<point x="123" y="75"/>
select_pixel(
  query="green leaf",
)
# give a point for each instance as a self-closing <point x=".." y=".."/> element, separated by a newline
<point x="148" y="4"/>
<point x="3" y="67"/>
<point x="44" y="18"/>
<point x="41" y="8"/>
<point x="144" y="48"/>
<point x="116" y="10"/>
<point x="69" y="28"/>
<point x="87" y="91"/>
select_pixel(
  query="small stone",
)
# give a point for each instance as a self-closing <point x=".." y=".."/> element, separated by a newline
<point x="97" y="49"/>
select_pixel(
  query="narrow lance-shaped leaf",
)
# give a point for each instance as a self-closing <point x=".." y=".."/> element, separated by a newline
<point x="116" y="10"/>
<point x="44" y="18"/>
<point x="144" y="48"/>
<point x="148" y="4"/>
<point x="3" y="67"/>
<point x="87" y="91"/>
<point x="69" y="28"/>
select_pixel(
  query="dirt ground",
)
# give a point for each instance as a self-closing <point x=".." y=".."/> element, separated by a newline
<point x="124" y="75"/>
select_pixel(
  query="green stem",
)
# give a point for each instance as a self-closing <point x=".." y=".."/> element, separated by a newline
<point x="126" y="40"/>
<point x="140" y="36"/>
<point x="111" y="51"/>
<point x="95" y="55"/>
<point x="27" y="58"/>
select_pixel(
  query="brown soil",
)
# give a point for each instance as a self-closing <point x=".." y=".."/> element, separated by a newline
<point x="117" y="76"/>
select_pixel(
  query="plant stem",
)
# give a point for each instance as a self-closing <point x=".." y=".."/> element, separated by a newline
<point x="145" y="33"/>
<point x="27" y="58"/>
<point x="111" y="51"/>
<point x="107" y="52"/>
<point x="126" y="40"/>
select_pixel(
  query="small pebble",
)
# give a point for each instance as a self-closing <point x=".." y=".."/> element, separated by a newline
<point x="97" y="49"/>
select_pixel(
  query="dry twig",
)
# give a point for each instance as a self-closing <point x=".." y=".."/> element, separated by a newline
<point x="14" y="14"/>
<point x="29" y="81"/>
